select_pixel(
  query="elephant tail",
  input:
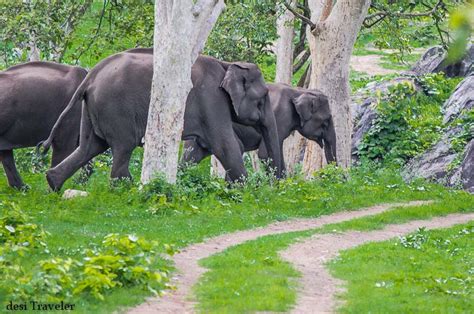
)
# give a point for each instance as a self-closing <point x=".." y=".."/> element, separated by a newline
<point x="78" y="95"/>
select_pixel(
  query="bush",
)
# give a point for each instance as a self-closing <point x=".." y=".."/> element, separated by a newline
<point x="408" y="122"/>
<point x="119" y="260"/>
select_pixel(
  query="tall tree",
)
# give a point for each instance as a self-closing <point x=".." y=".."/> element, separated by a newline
<point x="181" y="30"/>
<point x="332" y="33"/>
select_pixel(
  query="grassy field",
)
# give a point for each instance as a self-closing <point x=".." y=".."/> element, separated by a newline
<point x="252" y="277"/>
<point x="198" y="207"/>
<point x="426" y="272"/>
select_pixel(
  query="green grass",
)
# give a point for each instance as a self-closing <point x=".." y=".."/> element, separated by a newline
<point x="392" y="278"/>
<point x="251" y="277"/>
<point x="189" y="217"/>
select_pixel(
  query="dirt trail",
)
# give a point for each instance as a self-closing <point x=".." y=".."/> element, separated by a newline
<point x="370" y="64"/>
<point x="188" y="270"/>
<point x="318" y="287"/>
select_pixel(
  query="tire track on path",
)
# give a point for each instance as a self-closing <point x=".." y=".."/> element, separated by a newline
<point x="189" y="271"/>
<point x="318" y="288"/>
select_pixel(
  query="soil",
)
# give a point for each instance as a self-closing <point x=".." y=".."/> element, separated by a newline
<point x="370" y="64"/>
<point x="188" y="270"/>
<point x="318" y="289"/>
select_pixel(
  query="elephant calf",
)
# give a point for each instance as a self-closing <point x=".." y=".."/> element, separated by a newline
<point x="306" y="111"/>
<point x="32" y="96"/>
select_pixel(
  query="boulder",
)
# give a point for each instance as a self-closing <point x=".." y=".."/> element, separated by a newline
<point x="467" y="168"/>
<point x="68" y="194"/>
<point x="461" y="99"/>
<point x="434" y="163"/>
<point x="434" y="61"/>
<point x="437" y="162"/>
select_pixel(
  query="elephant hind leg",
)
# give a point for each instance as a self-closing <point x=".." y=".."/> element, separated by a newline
<point x="8" y="161"/>
<point x="193" y="152"/>
<point x="121" y="161"/>
<point x="90" y="146"/>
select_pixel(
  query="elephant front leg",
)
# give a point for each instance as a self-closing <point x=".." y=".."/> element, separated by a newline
<point x="229" y="153"/>
<point x="13" y="177"/>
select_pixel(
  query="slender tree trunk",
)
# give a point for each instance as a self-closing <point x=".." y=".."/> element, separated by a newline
<point x="33" y="50"/>
<point x="331" y="47"/>
<point x="181" y="30"/>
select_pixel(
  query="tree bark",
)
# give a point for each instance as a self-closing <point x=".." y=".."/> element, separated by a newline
<point x="181" y="30"/>
<point x="331" y="45"/>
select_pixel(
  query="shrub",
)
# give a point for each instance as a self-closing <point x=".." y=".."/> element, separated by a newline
<point x="408" y="122"/>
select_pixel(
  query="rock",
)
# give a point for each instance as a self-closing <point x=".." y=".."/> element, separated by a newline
<point x="68" y="194"/>
<point x="434" y="163"/>
<point x="434" y="61"/>
<point x="467" y="166"/>
<point x="363" y="107"/>
<point x="461" y="99"/>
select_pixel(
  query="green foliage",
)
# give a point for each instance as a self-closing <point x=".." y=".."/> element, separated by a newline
<point x="245" y="31"/>
<point x="414" y="240"/>
<point x="408" y="122"/>
<point x="461" y="22"/>
<point x="49" y="24"/>
<point x="118" y="261"/>
<point x="466" y="122"/>
<point x="397" y="29"/>
<point x="430" y="272"/>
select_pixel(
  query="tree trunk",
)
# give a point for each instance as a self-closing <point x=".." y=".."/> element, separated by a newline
<point x="331" y="47"/>
<point x="284" y="47"/>
<point x="33" y="51"/>
<point x="181" y="30"/>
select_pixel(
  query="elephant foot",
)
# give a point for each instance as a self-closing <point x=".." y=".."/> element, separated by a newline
<point x="53" y="181"/>
<point x="20" y="187"/>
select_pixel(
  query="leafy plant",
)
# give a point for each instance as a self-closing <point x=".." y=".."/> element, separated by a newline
<point x="408" y="122"/>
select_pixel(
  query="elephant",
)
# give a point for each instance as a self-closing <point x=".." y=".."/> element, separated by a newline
<point x="32" y="96"/>
<point x="304" y="110"/>
<point x="116" y="95"/>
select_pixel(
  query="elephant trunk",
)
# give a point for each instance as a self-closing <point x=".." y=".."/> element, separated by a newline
<point x="270" y="137"/>
<point x="330" y="143"/>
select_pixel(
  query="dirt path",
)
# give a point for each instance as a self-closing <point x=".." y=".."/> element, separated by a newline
<point x="370" y="64"/>
<point x="318" y="287"/>
<point x="188" y="270"/>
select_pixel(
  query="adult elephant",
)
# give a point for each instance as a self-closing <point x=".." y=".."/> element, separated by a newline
<point x="32" y="96"/>
<point x="116" y="96"/>
<point x="295" y="109"/>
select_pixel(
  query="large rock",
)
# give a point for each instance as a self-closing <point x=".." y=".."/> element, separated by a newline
<point x="434" y="163"/>
<point x="437" y="162"/>
<point x="434" y="61"/>
<point x="467" y="168"/>
<point x="461" y="99"/>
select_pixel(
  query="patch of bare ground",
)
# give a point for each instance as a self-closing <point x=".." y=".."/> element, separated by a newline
<point x="370" y="64"/>
<point x="318" y="289"/>
<point x="189" y="271"/>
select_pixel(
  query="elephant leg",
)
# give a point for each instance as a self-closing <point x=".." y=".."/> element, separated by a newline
<point x="193" y="153"/>
<point x="229" y="153"/>
<point x="121" y="161"/>
<point x="8" y="161"/>
<point x="90" y="146"/>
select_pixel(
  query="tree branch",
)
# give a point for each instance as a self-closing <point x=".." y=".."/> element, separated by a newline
<point x="385" y="13"/>
<point x="304" y="18"/>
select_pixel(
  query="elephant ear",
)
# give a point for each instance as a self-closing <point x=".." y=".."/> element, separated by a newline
<point x="304" y="108"/>
<point x="234" y="83"/>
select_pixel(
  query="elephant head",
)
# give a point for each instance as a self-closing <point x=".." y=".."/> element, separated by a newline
<point x="316" y="121"/>
<point x="248" y="93"/>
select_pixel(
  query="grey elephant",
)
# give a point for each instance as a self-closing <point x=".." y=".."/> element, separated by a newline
<point x="116" y="96"/>
<point x="32" y="96"/>
<point x="306" y="111"/>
